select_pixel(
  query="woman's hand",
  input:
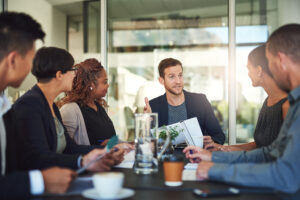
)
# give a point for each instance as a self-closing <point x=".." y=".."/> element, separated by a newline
<point x="213" y="147"/>
<point x="207" y="140"/>
<point x="117" y="155"/>
<point x="104" y="164"/>
<point x="125" y="146"/>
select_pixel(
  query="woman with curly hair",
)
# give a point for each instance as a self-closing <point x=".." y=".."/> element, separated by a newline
<point x="82" y="108"/>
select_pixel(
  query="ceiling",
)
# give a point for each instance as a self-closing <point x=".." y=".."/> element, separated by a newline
<point x="133" y="9"/>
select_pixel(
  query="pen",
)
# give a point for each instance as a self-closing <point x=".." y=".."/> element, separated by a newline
<point x="191" y="152"/>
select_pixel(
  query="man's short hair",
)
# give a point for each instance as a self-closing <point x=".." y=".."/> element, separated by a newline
<point x="286" y="39"/>
<point x="165" y="63"/>
<point x="18" y="31"/>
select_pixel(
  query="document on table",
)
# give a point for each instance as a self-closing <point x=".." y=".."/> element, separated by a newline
<point x="191" y="166"/>
<point x="189" y="172"/>
<point x="128" y="160"/>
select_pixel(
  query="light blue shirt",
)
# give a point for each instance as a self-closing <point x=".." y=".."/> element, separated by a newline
<point x="35" y="176"/>
<point x="276" y="166"/>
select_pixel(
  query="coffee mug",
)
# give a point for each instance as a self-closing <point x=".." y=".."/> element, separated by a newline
<point x="108" y="184"/>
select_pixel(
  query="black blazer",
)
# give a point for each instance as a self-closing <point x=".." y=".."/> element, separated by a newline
<point x="15" y="184"/>
<point x="36" y="124"/>
<point x="198" y="106"/>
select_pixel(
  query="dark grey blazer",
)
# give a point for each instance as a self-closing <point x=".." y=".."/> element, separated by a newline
<point x="198" y="106"/>
<point x="15" y="184"/>
<point x="35" y="122"/>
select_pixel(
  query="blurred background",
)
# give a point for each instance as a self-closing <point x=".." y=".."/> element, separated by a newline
<point x="140" y="33"/>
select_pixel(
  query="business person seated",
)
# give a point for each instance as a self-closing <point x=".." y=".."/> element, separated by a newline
<point x="82" y="109"/>
<point x="18" y="33"/>
<point x="47" y="142"/>
<point x="273" y="111"/>
<point x="177" y="104"/>
<point x="277" y="165"/>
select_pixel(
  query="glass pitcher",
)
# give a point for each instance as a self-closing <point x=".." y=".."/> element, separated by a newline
<point x="146" y="136"/>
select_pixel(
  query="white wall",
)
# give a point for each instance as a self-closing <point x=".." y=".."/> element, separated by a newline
<point x="53" y="23"/>
<point x="288" y="11"/>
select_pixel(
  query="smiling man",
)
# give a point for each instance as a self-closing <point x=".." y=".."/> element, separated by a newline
<point x="177" y="104"/>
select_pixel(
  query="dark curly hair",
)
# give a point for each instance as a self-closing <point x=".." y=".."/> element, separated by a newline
<point x="87" y="74"/>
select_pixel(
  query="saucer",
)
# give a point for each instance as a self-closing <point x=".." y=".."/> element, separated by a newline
<point x="93" y="194"/>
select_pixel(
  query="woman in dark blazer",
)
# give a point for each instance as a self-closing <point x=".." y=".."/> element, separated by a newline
<point x="46" y="140"/>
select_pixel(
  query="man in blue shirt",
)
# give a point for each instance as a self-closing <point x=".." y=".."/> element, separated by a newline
<point x="277" y="165"/>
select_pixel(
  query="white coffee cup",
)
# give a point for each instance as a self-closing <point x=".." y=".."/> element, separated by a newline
<point x="108" y="184"/>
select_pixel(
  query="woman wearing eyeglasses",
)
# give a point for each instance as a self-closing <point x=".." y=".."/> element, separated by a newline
<point x="39" y="121"/>
<point x="83" y="110"/>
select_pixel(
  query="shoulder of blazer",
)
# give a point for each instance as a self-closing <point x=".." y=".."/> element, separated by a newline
<point x="193" y="95"/>
<point x="195" y="101"/>
<point x="33" y="97"/>
<point x="158" y="101"/>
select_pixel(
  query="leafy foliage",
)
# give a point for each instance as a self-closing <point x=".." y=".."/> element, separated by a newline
<point x="173" y="131"/>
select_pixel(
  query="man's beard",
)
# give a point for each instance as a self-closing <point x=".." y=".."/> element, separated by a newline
<point x="174" y="92"/>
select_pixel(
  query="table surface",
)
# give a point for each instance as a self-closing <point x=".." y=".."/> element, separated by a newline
<point x="151" y="187"/>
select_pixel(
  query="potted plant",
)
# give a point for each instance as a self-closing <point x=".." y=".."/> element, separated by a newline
<point x="173" y="132"/>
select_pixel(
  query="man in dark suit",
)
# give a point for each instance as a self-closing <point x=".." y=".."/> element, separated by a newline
<point x="18" y="33"/>
<point x="177" y="104"/>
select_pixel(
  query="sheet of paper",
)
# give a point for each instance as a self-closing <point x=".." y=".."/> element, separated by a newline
<point x="189" y="175"/>
<point x="195" y="131"/>
<point x="191" y="166"/>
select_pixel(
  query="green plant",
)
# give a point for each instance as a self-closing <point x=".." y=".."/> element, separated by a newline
<point x="173" y="131"/>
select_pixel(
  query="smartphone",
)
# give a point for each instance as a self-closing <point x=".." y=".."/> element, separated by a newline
<point x="216" y="192"/>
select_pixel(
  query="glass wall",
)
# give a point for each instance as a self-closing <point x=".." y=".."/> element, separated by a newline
<point x="254" y="19"/>
<point x="142" y="33"/>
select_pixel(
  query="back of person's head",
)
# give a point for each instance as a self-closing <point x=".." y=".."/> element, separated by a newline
<point x="165" y="63"/>
<point x="257" y="57"/>
<point x="49" y="60"/>
<point x="286" y="39"/>
<point x="87" y="74"/>
<point x="18" y="31"/>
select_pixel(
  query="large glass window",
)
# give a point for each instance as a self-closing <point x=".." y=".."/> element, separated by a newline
<point x="254" y="19"/>
<point x="142" y="33"/>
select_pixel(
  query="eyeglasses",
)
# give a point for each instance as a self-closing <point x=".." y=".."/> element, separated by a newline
<point x="72" y="69"/>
